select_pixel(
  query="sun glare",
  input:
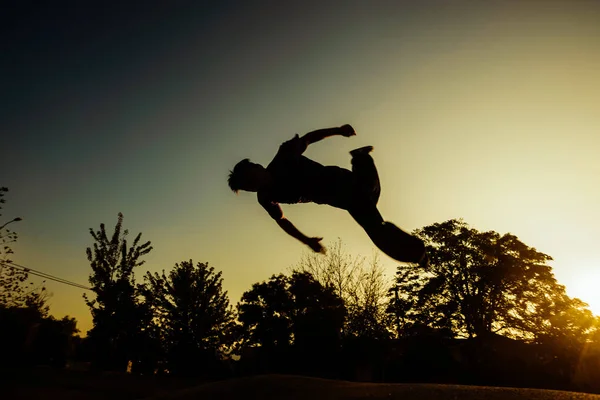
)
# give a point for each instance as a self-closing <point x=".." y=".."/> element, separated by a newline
<point x="586" y="286"/>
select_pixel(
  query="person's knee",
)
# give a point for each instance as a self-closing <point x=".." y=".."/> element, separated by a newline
<point x="363" y="161"/>
<point x="366" y="215"/>
<point x="375" y="193"/>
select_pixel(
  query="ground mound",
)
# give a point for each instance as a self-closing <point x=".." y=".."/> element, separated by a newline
<point x="271" y="387"/>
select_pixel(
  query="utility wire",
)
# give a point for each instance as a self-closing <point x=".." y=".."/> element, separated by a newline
<point x="47" y="276"/>
<point x="43" y="275"/>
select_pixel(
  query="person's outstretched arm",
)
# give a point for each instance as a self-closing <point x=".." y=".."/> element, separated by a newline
<point x="291" y="230"/>
<point x="320" y="134"/>
<point x="274" y="210"/>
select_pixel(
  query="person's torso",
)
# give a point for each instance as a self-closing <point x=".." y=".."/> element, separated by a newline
<point x="301" y="180"/>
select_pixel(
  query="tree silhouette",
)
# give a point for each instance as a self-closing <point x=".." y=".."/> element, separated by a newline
<point x="290" y="310"/>
<point x="587" y="371"/>
<point x="23" y="305"/>
<point x="265" y="313"/>
<point x="412" y="315"/>
<point x="363" y="288"/>
<point x="296" y="323"/>
<point x="54" y="341"/>
<point x="192" y="314"/>
<point x="15" y="290"/>
<point x="564" y="327"/>
<point x="6" y="235"/>
<point x="119" y="317"/>
<point x="478" y="283"/>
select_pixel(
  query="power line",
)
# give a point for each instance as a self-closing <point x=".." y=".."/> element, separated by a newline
<point x="43" y="275"/>
<point x="46" y="276"/>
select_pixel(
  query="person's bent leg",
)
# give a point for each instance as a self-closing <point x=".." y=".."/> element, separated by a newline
<point x="393" y="241"/>
<point x="366" y="214"/>
<point x="363" y="168"/>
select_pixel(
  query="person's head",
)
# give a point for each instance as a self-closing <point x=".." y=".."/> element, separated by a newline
<point x="248" y="176"/>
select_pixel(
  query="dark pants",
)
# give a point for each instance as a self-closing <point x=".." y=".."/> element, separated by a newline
<point x="367" y="191"/>
<point x="390" y="239"/>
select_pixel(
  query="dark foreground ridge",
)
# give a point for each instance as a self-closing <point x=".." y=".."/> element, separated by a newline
<point x="285" y="387"/>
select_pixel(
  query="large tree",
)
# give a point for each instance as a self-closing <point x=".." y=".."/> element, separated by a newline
<point x="54" y="341"/>
<point x="192" y="314"/>
<point x="362" y="286"/>
<point x="482" y="282"/>
<point x="119" y="316"/>
<point x="290" y="310"/>
<point x="295" y="322"/>
<point x="23" y="305"/>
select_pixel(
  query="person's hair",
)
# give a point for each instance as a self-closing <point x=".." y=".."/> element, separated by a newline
<point x="237" y="175"/>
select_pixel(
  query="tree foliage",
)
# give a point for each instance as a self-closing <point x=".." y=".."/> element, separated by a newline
<point x="192" y="314"/>
<point x="12" y="280"/>
<point x="54" y="341"/>
<point x="118" y="315"/>
<point x="290" y="310"/>
<point x="6" y="235"/>
<point x="586" y="374"/>
<point x="15" y="288"/>
<point x="362" y="287"/>
<point x="482" y="282"/>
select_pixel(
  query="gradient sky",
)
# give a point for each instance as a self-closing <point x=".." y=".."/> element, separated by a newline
<point x="486" y="111"/>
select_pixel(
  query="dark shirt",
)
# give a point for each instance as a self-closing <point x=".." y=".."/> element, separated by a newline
<point x="297" y="179"/>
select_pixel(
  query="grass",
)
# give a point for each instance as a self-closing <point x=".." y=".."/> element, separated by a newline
<point x="67" y="385"/>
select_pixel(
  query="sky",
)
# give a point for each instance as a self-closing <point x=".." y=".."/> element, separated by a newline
<point x="485" y="111"/>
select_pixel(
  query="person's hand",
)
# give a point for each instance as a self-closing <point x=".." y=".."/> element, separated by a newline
<point x="347" y="130"/>
<point x="314" y="244"/>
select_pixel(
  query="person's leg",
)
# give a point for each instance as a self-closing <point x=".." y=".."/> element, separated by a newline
<point x="365" y="172"/>
<point x="390" y="239"/>
<point x="393" y="241"/>
<point x="366" y="213"/>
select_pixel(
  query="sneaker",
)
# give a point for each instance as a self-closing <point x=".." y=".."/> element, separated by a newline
<point x="361" y="150"/>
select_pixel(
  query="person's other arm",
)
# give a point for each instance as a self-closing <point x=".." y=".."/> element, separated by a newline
<point x="290" y="229"/>
<point x="274" y="210"/>
<point x="320" y="134"/>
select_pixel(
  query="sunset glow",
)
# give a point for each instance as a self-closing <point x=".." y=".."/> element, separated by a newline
<point x="584" y="285"/>
<point x="483" y="112"/>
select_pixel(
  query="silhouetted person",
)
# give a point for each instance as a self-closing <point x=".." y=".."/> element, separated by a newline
<point x="292" y="178"/>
